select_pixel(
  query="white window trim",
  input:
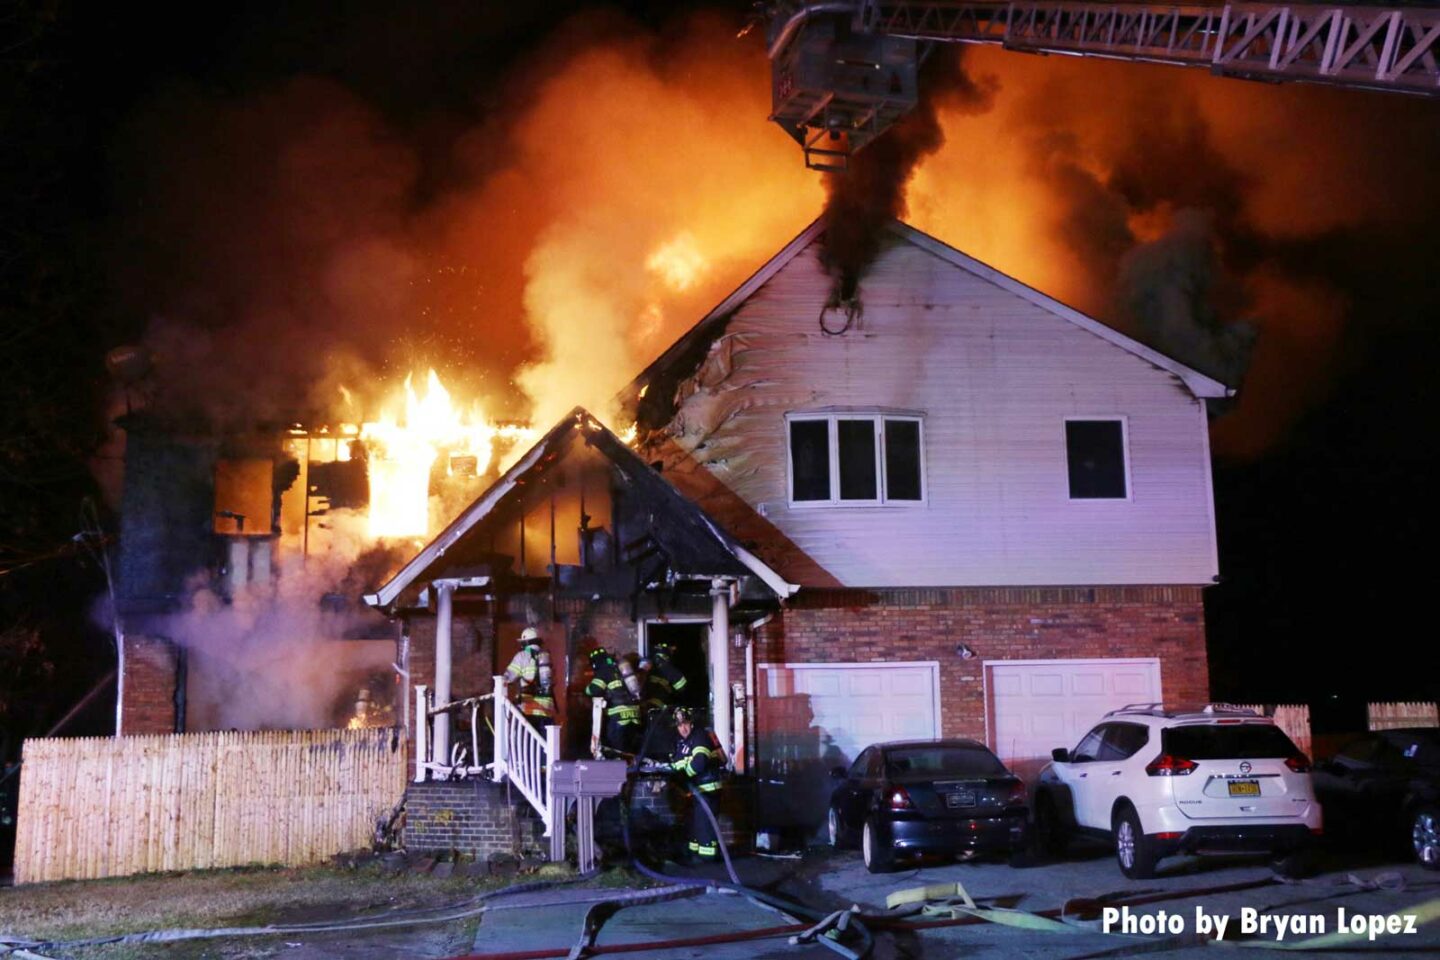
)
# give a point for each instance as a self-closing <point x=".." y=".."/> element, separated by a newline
<point x="878" y="417"/>
<point x="1124" y="422"/>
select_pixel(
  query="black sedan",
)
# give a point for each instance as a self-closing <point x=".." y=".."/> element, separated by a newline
<point x="1385" y="788"/>
<point x="913" y="797"/>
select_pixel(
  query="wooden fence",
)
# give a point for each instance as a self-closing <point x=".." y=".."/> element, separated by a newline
<point x="1390" y="716"/>
<point x="1293" y="718"/>
<point x="103" y="807"/>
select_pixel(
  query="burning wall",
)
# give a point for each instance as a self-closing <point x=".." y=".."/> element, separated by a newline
<point x="264" y="613"/>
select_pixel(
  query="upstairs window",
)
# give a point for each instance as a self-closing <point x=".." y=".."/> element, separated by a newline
<point x="1095" y="453"/>
<point x="856" y="459"/>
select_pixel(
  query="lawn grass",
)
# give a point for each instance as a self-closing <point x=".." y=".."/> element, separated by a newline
<point x="246" y="896"/>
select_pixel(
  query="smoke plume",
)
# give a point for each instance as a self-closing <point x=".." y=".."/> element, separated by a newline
<point x="303" y="237"/>
<point x="870" y="192"/>
<point x="270" y="656"/>
<point x="543" y="234"/>
<point x="1201" y="215"/>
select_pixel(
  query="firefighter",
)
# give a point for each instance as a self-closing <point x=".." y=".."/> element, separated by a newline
<point x="620" y="689"/>
<point x="700" y="760"/>
<point x="665" y="682"/>
<point x="531" y="668"/>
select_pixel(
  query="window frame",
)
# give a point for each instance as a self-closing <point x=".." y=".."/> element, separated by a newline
<point x="1119" y="728"/>
<point x="1124" y="422"/>
<point x="878" y="419"/>
<point x="1098" y="732"/>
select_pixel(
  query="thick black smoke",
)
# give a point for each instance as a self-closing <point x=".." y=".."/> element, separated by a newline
<point x="871" y="191"/>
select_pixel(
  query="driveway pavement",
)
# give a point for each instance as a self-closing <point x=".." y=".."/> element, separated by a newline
<point x="1185" y="885"/>
<point x="830" y="881"/>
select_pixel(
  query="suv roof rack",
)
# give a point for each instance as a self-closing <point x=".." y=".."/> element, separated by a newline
<point x="1160" y="710"/>
<point x="1155" y="709"/>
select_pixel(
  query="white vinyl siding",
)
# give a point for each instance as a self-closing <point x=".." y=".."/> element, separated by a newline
<point x="996" y="376"/>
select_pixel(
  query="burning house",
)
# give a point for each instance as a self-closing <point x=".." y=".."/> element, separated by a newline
<point x="947" y="505"/>
<point x="243" y="555"/>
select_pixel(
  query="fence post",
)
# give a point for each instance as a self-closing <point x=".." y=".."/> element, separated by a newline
<point x="502" y="742"/>
<point x="422" y="722"/>
<point x="552" y="757"/>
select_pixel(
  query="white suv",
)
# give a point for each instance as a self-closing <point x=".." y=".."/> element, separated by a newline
<point x="1159" y="782"/>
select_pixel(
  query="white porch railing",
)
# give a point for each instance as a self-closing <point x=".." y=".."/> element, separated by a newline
<point x="515" y="749"/>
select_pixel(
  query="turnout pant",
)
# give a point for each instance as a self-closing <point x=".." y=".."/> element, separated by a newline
<point x="621" y="737"/>
<point x="703" y="841"/>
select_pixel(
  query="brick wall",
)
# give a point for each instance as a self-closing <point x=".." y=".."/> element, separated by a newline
<point x="660" y="809"/>
<point x="998" y="624"/>
<point x="149" y="705"/>
<point x="471" y="817"/>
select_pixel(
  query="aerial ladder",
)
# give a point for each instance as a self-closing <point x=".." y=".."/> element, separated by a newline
<point x="843" y="71"/>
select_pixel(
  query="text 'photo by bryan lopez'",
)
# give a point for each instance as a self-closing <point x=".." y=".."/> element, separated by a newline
<point x="1251" y="922"/>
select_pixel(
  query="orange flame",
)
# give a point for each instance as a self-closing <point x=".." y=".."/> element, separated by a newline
<point x="413" y="431"/>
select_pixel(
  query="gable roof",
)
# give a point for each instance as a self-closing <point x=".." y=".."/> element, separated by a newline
<point x="650" y="485"/>
<point x="700" y="335"/>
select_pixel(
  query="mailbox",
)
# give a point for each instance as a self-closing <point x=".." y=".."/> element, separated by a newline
<point x="585" y="782"/>
<point x="589" y="778"/>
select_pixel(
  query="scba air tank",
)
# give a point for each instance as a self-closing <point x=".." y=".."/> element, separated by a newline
<point x="630" y="678"/>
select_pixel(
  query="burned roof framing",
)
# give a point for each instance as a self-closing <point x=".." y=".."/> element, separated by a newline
<point x="583" y="512"/>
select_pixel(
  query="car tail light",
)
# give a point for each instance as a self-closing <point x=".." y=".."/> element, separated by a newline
<point x="1298" y="763"/>
<point x="1016" y="797"/>
<point x="1167" y="765"/>
<point x="899" y="800"/>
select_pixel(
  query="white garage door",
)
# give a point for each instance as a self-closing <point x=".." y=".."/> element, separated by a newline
<point x="839" y="709"/>
<point x="1038" y="705"/>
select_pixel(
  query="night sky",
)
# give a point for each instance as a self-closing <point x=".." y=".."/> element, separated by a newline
<point x="277" y="194"/>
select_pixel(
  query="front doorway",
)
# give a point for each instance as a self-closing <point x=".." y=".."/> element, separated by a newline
<point x="691" y="641"/>
<point x="692" y="655"/>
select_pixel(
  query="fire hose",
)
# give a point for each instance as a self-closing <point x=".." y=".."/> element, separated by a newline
<point x="1428" y="911"/>
<point x="821" y="925"/>
<point x="816" y="928"/>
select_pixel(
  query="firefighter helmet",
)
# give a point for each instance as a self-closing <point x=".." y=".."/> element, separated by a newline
<point x="683" y="715"/>
<point x="529" y="635"/>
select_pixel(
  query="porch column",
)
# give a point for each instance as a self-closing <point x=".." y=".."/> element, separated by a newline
<point x="720" y="661"/>
<point x="444" y="615"/>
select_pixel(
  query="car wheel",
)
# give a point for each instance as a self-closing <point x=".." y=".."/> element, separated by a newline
<point x="1050" y="840"/>
<point x="1425" y="836"/>
<point x="834" y="830"/>
<point x="878" y="856"/>
<point x="1133" y="850"/>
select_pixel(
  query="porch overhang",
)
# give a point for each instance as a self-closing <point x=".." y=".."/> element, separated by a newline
<point x="701" y="549"/>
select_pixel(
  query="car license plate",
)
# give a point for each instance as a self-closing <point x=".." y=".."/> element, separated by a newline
<point x="962" y="798"/>
<point x="1244" y="788"/>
